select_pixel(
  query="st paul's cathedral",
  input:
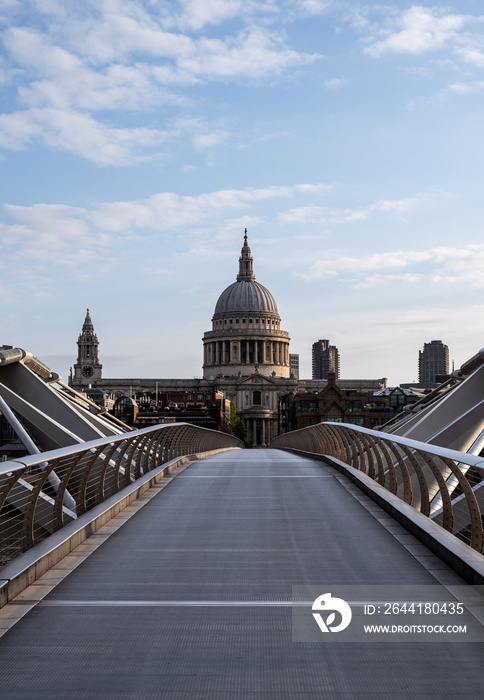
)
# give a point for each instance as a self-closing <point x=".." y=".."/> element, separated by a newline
<point x="245" y="357"/>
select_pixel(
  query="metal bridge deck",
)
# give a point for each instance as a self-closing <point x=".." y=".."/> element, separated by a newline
<point x="235" y="531"/>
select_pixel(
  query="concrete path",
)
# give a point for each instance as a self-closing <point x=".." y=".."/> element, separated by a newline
<point x="191" y="597"/>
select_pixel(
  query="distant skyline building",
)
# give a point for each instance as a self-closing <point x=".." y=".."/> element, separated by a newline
<point x="325" y="360"/>
<point x="433" y="360"/>
<point x="294" y="365"/>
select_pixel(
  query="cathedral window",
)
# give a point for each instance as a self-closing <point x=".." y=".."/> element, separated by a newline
<point x="256" y="398"/>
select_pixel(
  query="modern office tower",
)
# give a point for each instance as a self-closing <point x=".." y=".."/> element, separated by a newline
<point x="325" y="360"/>
<point x="294" y="365"/>
<point x="433" y="360"/>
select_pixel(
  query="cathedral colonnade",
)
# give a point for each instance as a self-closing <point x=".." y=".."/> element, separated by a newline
<point x="246" y="351"/>
<point x="260" y="429"/>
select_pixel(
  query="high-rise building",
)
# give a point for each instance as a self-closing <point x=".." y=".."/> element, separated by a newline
<point x="294" y="365"/>
<point x="433" y="360"/>
<point x="325" y="360"/>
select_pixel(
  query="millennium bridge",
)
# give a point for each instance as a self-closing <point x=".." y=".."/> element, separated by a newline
<point x="169" y="562"/>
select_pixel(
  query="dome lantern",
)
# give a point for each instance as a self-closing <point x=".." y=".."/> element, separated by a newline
<point x="246" y="262"/>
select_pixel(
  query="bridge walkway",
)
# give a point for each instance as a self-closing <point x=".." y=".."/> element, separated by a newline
<point x="186" y="599"/>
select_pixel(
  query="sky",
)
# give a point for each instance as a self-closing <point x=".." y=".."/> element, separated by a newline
<point x="139" y="138"/>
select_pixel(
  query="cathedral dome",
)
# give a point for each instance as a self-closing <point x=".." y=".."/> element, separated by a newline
<point x="246" y="336"/>
<point x="245" y="296"/>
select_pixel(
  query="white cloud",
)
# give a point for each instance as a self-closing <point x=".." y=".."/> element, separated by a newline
<point x="195" y="15"/>
<point x="312" y="7"/>
<point x="419" y="29"/>
<point x="114" y="37"/>
<point x="255" y="54"/>
<point x="80" y="134"/>
<point x="68" y="235"/>
<point x="18" y="129"/>
<point x="120" y="56"/>
<point x="318" y="188"/>
<point x="439" y="265"/>
<point x="64" y="78"/>
<point x="324" y="215"/>
<point x="119" y="87"/>
<point x="335" y="83"/>
<point x="472" y="55"/>
<point x="377" y="261"/>
<point x="377" y="280"/>
<point x="50" y="234"/>
<point x="8" y="7"/>
<point x="168" y="211"/>
<point x="475" y="86"/>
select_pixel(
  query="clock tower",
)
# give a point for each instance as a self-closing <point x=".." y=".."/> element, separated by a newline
<point x="87" y="369"/>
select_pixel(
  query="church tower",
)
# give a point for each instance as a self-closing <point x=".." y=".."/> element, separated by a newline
<point x="87" y="369"/>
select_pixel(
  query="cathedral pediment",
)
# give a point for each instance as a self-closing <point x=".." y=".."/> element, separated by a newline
<point x="257" y="379"/>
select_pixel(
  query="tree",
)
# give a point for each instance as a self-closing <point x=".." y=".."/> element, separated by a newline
<point x="237" y="425"/>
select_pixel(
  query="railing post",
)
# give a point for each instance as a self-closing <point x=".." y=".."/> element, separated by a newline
<point x="448" y="515"/>
<point x="37" y="482"/>
<point x="472" y="504"/>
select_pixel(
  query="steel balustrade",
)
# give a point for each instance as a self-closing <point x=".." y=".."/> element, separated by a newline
<point x="31" y="508"/>
<point x="441" y="483"/>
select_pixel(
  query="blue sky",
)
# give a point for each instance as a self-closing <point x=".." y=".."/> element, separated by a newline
<point x="139" y="139"/>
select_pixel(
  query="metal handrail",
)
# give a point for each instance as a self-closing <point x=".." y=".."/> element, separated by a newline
<point x="441" y="483"/>
<point x="32" y="506"/>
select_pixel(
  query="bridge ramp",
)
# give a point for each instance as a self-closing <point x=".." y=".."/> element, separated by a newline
<point x="190" y="597"/>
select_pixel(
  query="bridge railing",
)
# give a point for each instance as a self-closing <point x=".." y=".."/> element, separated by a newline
<point x="41" y="493"/>
<point x="442" y="484"/>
